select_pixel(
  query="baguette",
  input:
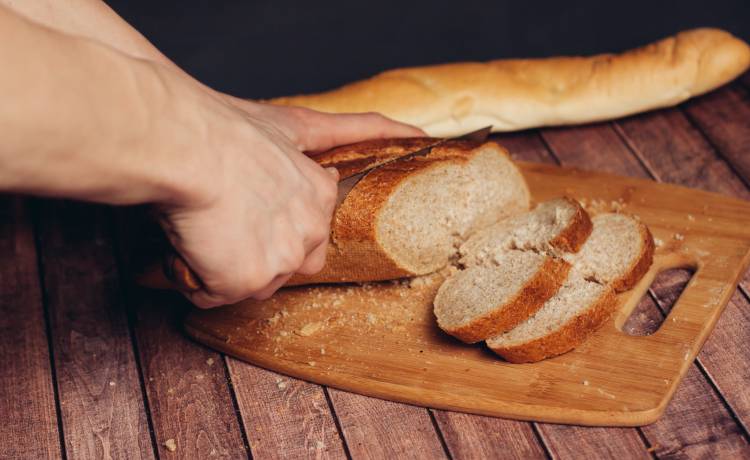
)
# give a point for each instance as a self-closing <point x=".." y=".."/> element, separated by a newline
<point x="511" y="269"/>
<point x="407" y="217"/>
<point x="614" y="258"/>
<point x="516" y="94"/>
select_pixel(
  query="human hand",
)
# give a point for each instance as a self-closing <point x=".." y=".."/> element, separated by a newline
<point x="269" y="217"/>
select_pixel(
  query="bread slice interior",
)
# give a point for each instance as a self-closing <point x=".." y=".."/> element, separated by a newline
<point x="615" y="256"/>
<point x="509" y="270"/>
<point x="429" y="214"/>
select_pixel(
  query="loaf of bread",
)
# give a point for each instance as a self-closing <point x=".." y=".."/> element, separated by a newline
<point x="614" y="258"/>
<point x="509" y="270"/>
<point x="517" y="94"/>
<point x="407" y="217"/>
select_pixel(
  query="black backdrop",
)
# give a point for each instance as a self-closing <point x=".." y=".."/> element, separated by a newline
<point x="266" y="48"/>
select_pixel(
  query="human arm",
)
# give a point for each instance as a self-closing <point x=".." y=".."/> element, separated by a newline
<point x="84" y="121"/>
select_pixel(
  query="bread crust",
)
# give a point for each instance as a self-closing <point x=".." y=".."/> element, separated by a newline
<point x="354" y="254"/>
<point x="530" y="298"/>
<point x="641" y="265"/>
<point x="577" y="232"/>
<point x="580" y="327"/>
<point x="518" y="94"/>
<point x="569" y="336"/>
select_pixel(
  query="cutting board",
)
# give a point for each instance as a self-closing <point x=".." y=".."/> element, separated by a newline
<point x="381" y="339"/>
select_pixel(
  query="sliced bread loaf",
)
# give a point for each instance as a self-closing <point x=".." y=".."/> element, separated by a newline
<point x="614" y="258"/>
<point x="407" y="217"/>
<point x="510" y="270"/>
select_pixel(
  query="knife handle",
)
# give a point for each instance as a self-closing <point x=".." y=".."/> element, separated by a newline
<point x="179" y="273"/>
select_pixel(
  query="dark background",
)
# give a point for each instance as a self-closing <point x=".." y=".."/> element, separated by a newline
<point x="270" y="48"/>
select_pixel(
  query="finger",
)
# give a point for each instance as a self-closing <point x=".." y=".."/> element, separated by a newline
<point x="269" y="290"/>
<point x="204" y="299"/>
<point x="315" y="260"/>
<point x="323" y="131"/>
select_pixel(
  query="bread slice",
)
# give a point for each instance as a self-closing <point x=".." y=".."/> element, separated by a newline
<point x="515" y="94"/>
<point x="510" y="270"/>
<point x="614" y="258"/>
<point x="407" y="218"/>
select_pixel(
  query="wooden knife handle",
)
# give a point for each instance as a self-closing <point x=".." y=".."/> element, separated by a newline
<point x="179" y="273"/>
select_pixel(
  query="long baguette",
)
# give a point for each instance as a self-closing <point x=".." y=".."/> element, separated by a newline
<point x="517" y="94"/>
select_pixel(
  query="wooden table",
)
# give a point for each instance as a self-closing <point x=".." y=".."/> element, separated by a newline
<point x="93" y="367"/>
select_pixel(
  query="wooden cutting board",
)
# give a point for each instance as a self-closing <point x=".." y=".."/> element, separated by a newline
<point x="381" y="339"/>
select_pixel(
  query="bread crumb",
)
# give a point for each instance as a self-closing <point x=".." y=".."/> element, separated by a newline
<point x="691" y="218"/>
<point x="275" y="318"/>
<point x="210" y="361"/>
<point x="311" y="363"/>
<point x="170" y="444"/>
<point x="310" y="329"/>
<point x="678" y="236"/>
<point x="586" y="382"/>
<point x="658" y="242"/>
<point x="281" y="384"/>
<point x="112" y="383"/>
<point x="322" y="351"/>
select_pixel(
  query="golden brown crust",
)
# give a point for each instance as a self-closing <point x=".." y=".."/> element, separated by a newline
<point x="353" y="158"/>
<point x="354" y="254"/>
<point x="524" y="93"/>
<point x="577" y="232"/>
<point x="529" y="299"/>
<point x="564" y="339"/>
<point x="640" y="265"/>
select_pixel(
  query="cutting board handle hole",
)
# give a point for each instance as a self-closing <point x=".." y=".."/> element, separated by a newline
<point x="657" y="302"/>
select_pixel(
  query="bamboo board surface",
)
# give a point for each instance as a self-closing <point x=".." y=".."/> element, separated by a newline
<point x="381" y="340"/>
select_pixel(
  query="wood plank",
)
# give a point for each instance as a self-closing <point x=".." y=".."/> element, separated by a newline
<point x="188" y="392"/>
<point x="284" y="417"/>
<point x="375" y="428"/>
<point x="103" y="411"/>
<point x="600" y="147"/>
<point x="27" y="399"/>
<point x="724" y="116"/>
<point x="189" y="395"/>
<point x="475" y="437"/>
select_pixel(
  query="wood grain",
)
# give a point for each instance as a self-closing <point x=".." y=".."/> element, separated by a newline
<point x="375" y="428"/>
<point x="103" y="411"/>
<point x="188" y="392"/>
<point x="189" y="395"/>
<point x="477" y="437"/>
<point x="724" y="116"/>
<point x="27" y="400"/>
<point x="284" y="417"/>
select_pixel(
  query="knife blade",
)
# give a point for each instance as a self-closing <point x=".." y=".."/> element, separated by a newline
<point x="347" y="184"/>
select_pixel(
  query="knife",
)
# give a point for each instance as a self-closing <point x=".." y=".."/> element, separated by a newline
<point x="182" y="277"/>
